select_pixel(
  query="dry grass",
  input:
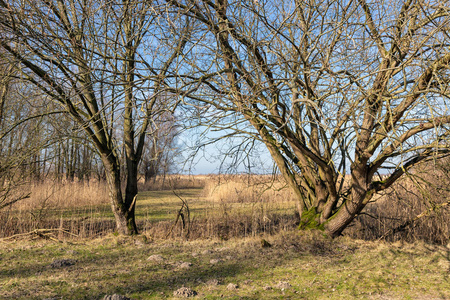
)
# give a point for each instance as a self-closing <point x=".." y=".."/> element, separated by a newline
<point x="219" y="206"/>
<point x="80" y="208"/>
<point x="65" y="194"/>
<point x="221" y="242"/>
<point x="415" y="208"/>
<point x="228" y="206"/>
<point x="247" y="189"/>
<point x="176" y="181"/>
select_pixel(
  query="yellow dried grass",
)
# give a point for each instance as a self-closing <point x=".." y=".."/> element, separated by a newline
<point x="64" y="195"/>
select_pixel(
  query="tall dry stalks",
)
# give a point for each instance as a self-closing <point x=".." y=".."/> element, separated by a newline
<point x="415" y="208"/>
<point x="174" y="181"/>
<point x="82" y="204"/>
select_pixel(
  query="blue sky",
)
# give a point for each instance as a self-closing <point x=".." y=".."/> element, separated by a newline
<point x="216" y="158"/>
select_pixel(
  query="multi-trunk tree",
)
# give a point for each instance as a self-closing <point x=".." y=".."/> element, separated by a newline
<point x="105" y="64"/>
<point x="347" y="96"/>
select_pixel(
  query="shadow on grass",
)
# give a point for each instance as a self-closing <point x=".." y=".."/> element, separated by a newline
<point x="166" y="285"/>
<point x="314" y="267"/>
<point x="99" y="273"/>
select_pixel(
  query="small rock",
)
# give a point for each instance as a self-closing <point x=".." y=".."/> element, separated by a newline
<point x="139" y="243"/>
<point x="140" y="240"/>
<point x="59" y="263"/>
<point x="213" y="282"/>
<point x="184" y="292"/>
<point x="207" y="252"/>
<point x="115" y="297"/>
<point x="185" y="265"/>
<point x="232" y="286"/>
<point x="156" y="257"/>
<point x="283" y="285"/>
<point x="194" y="254"/>
<point x="222" y="249"/>
<point x="215" y="261"/>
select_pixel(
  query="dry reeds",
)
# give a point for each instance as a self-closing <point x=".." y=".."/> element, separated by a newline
<point x="415" y="208"/>
<point x="73" y="206"/>
<point x="232" y="206"/>
<point x="65" y="194"/>
<point x="174" y="181"/>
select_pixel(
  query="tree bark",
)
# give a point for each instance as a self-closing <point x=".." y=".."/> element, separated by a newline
<point x="123" y="209"/>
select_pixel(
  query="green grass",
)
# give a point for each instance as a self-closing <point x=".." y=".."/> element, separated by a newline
<point x="164" y="205"/>
<point x="315" y="267"/>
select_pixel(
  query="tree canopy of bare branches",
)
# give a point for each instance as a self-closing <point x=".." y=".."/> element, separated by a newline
<point x="104" y="63"/>
<point x="339" y="91"/>
<point x="346" y="95"/>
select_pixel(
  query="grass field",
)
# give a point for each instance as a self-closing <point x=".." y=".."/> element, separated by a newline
<point x="296" y="266"/>
<point x="64" y="247"/>
<point x="220" y="210"/>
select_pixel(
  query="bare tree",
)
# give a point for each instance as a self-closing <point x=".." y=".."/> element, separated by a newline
<point x="20" y="141"/>
<point x="8" y="180"/>
<point x="161" y="151"/>
<point x="104" y="63"/>
<point x="339" y="92"/>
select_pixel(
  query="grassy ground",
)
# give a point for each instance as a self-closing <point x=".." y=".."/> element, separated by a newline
<point x="163" y="205"/>
<point x="296" y="266"/>
<point x="224" y="247"/>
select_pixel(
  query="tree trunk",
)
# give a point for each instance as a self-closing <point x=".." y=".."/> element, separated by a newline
<point x="150" y="171"/>
<point x="340" y="220"/>
<point x="333" y="224"/>
<point x="360" y="196"/>
<point x="123" y="210"/>
<point x="131" y="192"/>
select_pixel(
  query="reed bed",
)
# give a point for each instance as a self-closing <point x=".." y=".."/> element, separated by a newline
<point x="415" y="208"/>
<point x="191" y="207"/>
<point x="79" y="208"/>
